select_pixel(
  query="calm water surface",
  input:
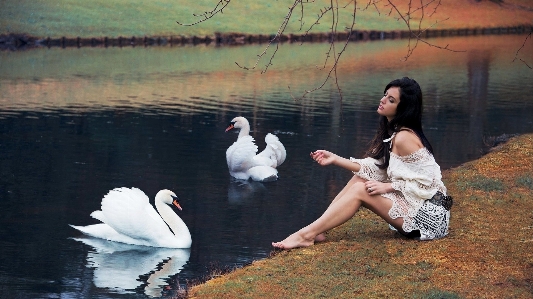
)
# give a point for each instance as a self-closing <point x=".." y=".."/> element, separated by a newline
<point x="75" y="123"/>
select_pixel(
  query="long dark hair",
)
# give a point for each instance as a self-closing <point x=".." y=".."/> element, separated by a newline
<point x="408" y="115"/>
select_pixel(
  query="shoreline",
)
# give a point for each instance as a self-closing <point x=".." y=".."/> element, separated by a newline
<point x="484" y="255"/>
<point x="15" y="42"/>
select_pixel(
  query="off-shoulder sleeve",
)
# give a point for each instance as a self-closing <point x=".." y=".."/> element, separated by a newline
<point x="369" y="170"/>
<point x="414" y="186"/>
<point x="417" y="177"/>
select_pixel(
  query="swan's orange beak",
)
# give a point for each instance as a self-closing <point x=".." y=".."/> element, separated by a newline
<point x="175" y="202"/>
<point x="230" y="127"/>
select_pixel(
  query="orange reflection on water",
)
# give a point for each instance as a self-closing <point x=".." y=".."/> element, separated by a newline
<point x="192" y="79"/>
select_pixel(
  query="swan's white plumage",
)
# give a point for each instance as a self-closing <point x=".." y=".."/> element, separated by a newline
<point x="243" y="160"/>
<point x="240" y="156"/>
<point x="274" y="153"/>
<point x="128" y="217"/>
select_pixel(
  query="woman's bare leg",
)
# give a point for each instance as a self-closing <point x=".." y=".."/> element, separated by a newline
<point x="342" y="208"/>
<point x="322" y="237"/>
<point x="349" y="185"/>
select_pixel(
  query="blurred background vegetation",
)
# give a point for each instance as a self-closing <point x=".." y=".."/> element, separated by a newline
<point x="96" y="18"/>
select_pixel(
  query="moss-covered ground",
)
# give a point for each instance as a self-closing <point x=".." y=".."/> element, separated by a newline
<point x="488" y="253"/>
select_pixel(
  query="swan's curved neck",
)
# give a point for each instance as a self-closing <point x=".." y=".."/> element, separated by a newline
<point x="245" y="131"/>
<point x="178" y="227"/>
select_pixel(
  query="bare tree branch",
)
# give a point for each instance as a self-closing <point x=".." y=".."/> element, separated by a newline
<point x="209" y="14"/>
<point x="417" y="35"/>
<point x="435" y="10"/>
<point x="276" y="39"/>
<point x="332" y="49"/>
<point x="322" y="13"/>
<point x="523" y="45"/>
<point x="373" y="3"/>
<point x="409" y="17"/>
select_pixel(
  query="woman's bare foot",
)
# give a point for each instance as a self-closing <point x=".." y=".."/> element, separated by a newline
<point x="294" y="241"/>
<point x="320" y="238"/>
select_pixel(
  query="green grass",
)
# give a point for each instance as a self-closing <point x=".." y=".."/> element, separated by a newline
<point x="526" y="180"/>
<point x="113" y="18"/>
<point x="437" y="294"/>
<point x="482" y="183"/>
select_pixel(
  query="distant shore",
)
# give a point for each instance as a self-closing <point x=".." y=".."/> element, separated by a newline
<point x="25" y="41"/>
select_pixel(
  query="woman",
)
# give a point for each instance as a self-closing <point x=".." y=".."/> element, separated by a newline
<point x="399" y="180"/>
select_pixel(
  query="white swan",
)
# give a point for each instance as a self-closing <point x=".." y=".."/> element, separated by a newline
<point x="128" y="217"/>
<point x="244" y="163"/>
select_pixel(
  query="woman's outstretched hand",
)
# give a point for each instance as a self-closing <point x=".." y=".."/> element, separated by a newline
<point x="323" y="157"/>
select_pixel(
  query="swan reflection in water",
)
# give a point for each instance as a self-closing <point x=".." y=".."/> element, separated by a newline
<point x="119" y="267"/>
<point x="243" y="192"/>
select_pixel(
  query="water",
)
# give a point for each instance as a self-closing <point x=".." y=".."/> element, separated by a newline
<point x="75" y="123"/>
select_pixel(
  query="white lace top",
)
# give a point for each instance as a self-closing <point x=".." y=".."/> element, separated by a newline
<point x="415" y="178"/>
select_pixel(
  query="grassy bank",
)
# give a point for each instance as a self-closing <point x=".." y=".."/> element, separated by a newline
<point x="103" y="18"/>
<point x="488" y="253"/>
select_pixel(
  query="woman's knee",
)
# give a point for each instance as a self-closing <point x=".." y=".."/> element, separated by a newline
<point x="358" y="189"/>
<point x="355" y="178"/>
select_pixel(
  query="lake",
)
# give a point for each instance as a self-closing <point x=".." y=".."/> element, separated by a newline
<point x="76" y="123"/>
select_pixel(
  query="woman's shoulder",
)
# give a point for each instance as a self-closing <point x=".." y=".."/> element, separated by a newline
<point x="406" y="135"/>
<point x="406" y="142"/>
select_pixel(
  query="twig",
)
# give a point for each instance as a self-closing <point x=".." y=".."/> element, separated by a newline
<point x="417" y="34"/>
<point x="337" y="56"/>
<point x="317" y="22"/>
<point x="408" y="18"/>
<point x="280" y="31"/>
<point x="523" y="45"/>
<point x="209" y="14"/>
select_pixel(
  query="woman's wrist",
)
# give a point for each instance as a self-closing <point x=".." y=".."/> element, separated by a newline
<point x="341" y="161"/>
<point x="336" y="159"/>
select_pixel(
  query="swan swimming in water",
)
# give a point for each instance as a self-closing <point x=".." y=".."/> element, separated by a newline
<point x="128" y="217"/>
<point x="243" y="160"/>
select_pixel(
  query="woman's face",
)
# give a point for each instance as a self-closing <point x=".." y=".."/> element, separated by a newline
<point x="389" y="102"/>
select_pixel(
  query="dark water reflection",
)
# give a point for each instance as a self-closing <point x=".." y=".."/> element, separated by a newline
<point x="76" y="123"/>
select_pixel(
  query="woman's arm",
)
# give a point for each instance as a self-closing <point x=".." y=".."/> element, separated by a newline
<point x="374" y="176"/>
<point x="324" y="158"/>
